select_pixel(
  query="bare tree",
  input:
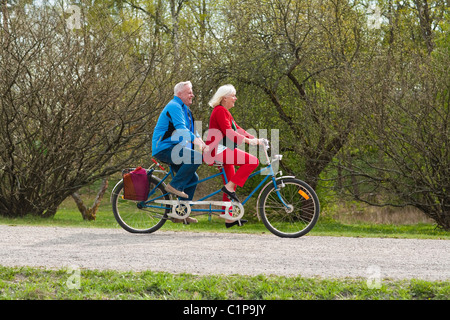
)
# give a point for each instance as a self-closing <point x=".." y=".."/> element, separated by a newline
<point x="425" y="22"/>
<point x="403" y="154"/>
<point x="75" y="107"/>
<point x="90" y="213"/>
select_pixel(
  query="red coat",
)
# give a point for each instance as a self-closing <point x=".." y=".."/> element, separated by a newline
<point x="220" y="126"/>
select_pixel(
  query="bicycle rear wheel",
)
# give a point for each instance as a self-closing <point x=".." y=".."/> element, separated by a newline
<point x="134" y="219"/>
<point x="301" y="213"/>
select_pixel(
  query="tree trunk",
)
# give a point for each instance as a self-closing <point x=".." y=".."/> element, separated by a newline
<point x="90" y="213"/>
<point x="425" y="23"/>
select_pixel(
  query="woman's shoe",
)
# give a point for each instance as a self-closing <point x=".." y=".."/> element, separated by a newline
<point x="231" y="195"/>
<point x="237" y="222"/>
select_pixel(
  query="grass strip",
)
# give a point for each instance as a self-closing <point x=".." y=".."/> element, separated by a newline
<point x="28" y="283"/>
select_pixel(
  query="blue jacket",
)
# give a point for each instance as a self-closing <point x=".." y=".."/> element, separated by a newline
<point x="175" y="125"/>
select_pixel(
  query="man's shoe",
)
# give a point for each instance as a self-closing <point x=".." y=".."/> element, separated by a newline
<point x="188" y="220"/>
<point x="231" y="195"/>
<point x="171" y="189"/>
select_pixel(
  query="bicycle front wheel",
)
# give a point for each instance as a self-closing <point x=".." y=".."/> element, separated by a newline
<point x="291" y="209"/>
<point x="134" y="219"/>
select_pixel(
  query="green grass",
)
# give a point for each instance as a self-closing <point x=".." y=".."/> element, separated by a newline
<point x="69" y="216"/>
<point x="31" y="283"/>
<point x="35" y="283"/>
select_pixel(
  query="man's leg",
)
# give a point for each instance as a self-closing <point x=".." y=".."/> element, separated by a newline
<point x="186" y="171"/>
<point x="190" y="191"/>
<point x="183" y="172"/>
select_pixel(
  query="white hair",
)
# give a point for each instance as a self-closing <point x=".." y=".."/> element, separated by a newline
<point x="222" y="92"/>
<point x="180" y="86"/>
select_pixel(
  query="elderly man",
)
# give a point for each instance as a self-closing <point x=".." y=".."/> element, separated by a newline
<point x="173" y="140"/>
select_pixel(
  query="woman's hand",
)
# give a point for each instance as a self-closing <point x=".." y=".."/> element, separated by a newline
<point x="254" y="142"/>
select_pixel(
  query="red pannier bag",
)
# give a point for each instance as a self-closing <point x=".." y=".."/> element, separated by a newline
<point x="135" y="184"/>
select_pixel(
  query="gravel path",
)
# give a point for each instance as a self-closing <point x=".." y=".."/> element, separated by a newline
<point x="213" y="253"/>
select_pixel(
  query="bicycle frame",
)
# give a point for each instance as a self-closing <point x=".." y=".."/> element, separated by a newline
<point x="269" y="175"/>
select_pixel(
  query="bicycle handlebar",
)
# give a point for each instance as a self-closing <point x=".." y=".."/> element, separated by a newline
<point x="266" y="147"/>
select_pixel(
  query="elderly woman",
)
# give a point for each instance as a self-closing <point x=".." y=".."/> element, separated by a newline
<point x="223" y="137"/>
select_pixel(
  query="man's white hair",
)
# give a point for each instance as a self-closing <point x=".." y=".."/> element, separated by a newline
<point x="180" y="86"/>
<point x="222" y="92"/>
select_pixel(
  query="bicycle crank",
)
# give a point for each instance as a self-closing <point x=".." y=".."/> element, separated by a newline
<point x="180" y="211"/>
<point x="233" y="212"/>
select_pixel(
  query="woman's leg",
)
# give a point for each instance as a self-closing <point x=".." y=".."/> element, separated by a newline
<point x="229" y="171"/>
<point x="247" y="164"/>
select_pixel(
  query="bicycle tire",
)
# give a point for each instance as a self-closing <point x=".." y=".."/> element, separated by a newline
<point x="138" y="220"/>
<point x="299" y="218"/>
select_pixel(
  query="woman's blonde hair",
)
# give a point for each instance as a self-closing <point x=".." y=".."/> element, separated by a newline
<point x="222" y="92"/>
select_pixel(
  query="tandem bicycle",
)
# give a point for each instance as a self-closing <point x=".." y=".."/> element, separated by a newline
<point x="287" y="206"/>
